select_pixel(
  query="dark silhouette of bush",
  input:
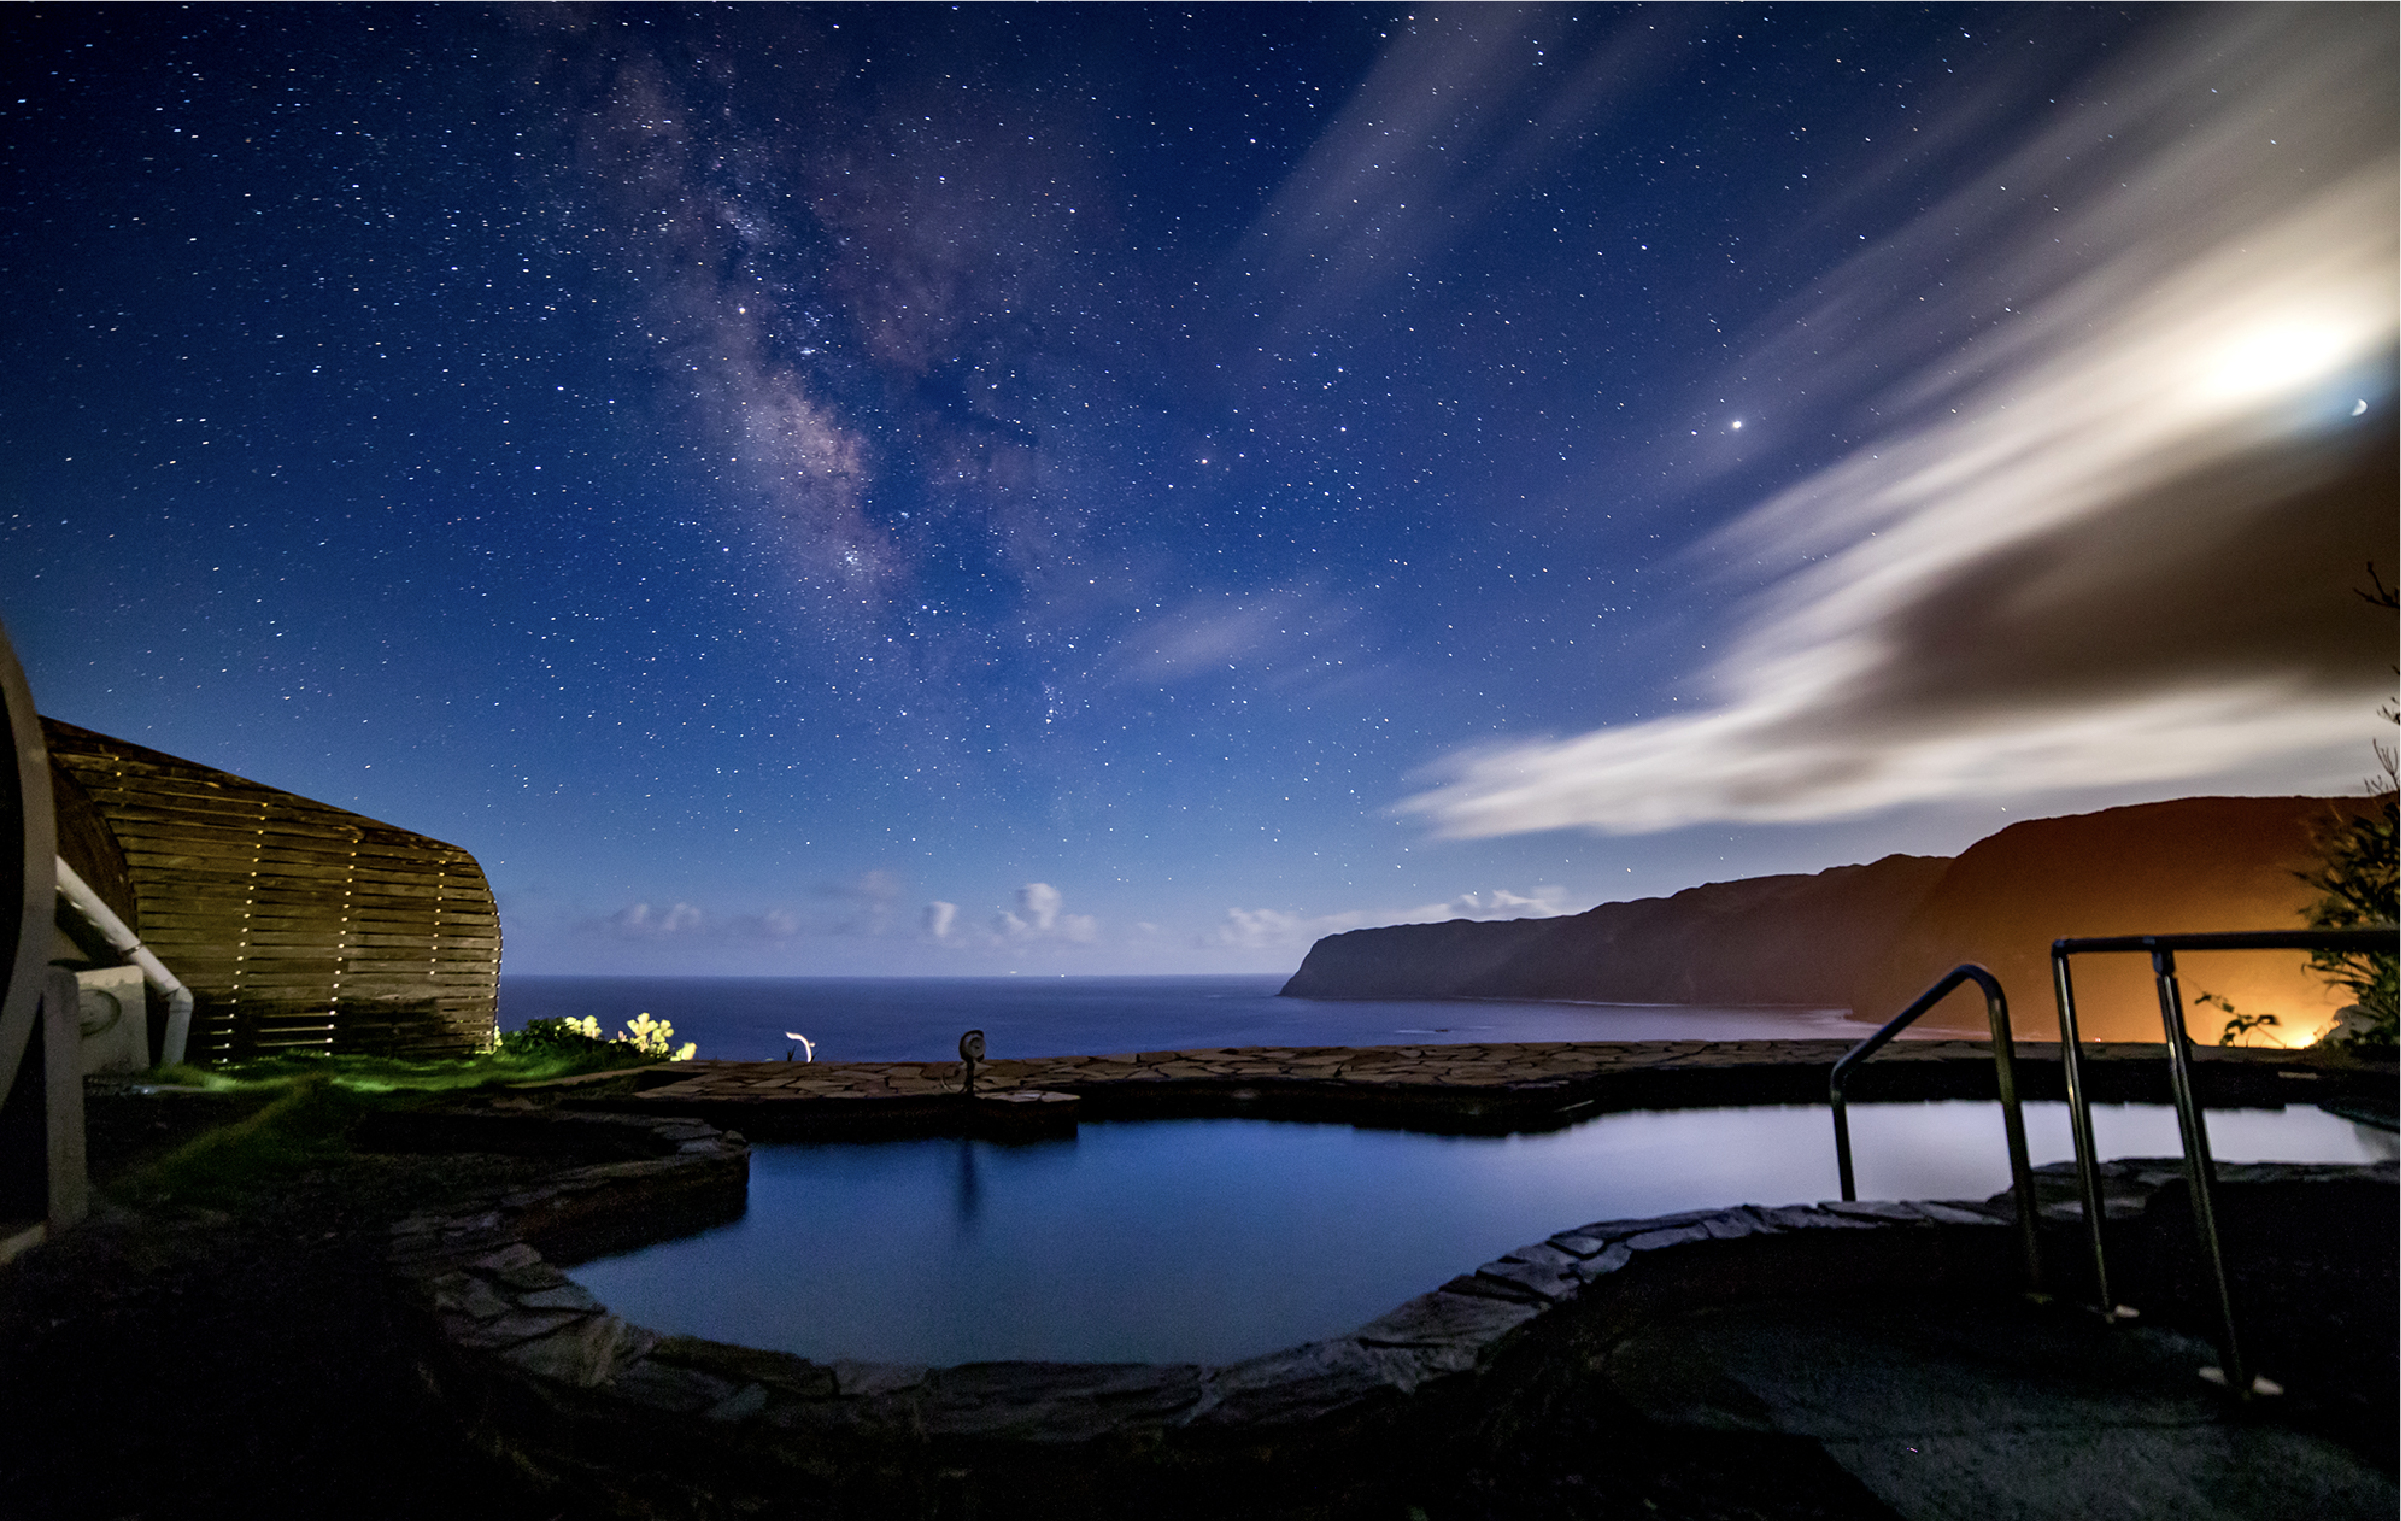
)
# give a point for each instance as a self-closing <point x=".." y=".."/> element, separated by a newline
<point x="2356" y="879"/>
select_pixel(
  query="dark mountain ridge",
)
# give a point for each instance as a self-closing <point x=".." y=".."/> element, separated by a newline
<point x="1870" y="937"/>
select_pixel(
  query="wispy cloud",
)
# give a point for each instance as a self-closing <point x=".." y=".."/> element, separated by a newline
<point x="1500" y="903"/>
<point x="639" y="921"/>
<point x="1459" y="111"/>
<point x="2108" y="538"/>
<point x="865" y="904"/>
<point x="1038" y="917"/>
<point x="1268" y="929"/>
<point x="1274" y="637"/>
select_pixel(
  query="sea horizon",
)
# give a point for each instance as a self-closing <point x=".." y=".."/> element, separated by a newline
<point x="744" y="1017"/>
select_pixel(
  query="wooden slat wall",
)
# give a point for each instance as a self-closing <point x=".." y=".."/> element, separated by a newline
<point x="295" y="924"/>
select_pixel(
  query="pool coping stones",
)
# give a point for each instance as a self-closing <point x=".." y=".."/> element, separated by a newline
<point x="640" y="1422"/>
<point x="1464" y="1088"/>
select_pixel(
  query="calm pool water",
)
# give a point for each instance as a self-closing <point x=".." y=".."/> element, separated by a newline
<point x="1214" y="1240"/>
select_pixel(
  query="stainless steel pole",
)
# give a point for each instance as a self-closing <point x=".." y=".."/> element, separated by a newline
<point x="2013" y="1122"/>
<point x="2080" y="1130"/>
<point x="2200" y="1171"/>
<point x="1842" y="1144"/>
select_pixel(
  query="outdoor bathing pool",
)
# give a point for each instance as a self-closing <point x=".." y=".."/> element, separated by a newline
<point x="1218" y="1239"/>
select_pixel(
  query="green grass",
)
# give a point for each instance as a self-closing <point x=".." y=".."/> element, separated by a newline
<point x="307" y="1125"/>
<point x="388" y="1074"/>
<point x="316" y="1107"/>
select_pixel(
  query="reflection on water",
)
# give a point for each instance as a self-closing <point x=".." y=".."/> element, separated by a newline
<point x="1212" y="1240"/>
<point x="970" y="1196"/>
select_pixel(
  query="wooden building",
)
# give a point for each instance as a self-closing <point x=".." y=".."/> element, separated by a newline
<point x="297" y="925"/>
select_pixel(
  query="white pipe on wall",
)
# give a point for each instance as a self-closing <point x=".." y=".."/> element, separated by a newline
<point x="128" y="944"/>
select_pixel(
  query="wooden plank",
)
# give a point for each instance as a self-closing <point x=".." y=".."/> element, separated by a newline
<point x="387" y="981"/>
<point x="360" y="945"/>
<point x="280" y="900"/>
<point x="289" y="945"/>
<point x="225" y="828"/>
<point x="284" y="887"/>
<point x="197" y="956"/>
<point x="144" y="812"/>
<point x="371" y="941"/>
<point x="392" y="898"/>
<point x="262" y="931"/>
<point x="222" y="850"/>
<point x="232" y="860"/>
<point x="192" y="828"/>
<point x="193" y="872"/>
<point x="172" y="793"/>
<point x="419" y="924"/>
<point x="184" y="896"/>
<point x="157" y="820"/>
<point x="296" y="896"/>
<point x="427" y="929"/>
<point x="305" y="865"/>
<point x="281" y="936"/>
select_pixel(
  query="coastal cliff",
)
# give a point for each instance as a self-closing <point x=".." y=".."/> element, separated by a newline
<point x="1786" y="939"/>
<point x="1870" y="937"/>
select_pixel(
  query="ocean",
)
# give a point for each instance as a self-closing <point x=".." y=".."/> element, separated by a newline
<point x="921" y="1018"/>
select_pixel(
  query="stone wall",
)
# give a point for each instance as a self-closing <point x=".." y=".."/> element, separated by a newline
<point x="626" y="1421"/>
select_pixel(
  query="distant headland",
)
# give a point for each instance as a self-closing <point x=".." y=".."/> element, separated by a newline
<point x="1870" y="937"/>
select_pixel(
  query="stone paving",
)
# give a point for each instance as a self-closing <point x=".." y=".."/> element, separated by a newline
<point x="1511" y="1083"/>
<point x="1994" y="1410"/>
<point x="1484" y="1066"/>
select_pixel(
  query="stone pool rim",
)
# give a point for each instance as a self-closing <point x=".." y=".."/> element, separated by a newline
<point x="1465" y="1088"/>
<point x="541" y="1369"/>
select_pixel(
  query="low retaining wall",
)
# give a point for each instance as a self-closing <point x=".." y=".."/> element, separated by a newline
<point x="627" y="1421"/>
<point x="1458" y="1089"/>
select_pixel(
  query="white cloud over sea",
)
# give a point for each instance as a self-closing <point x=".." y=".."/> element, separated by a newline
<point x="1269" y="929"/>
<point x="1038" y="916"/>
<point x="2116" y="477"/>
<point x="639" y="921"/>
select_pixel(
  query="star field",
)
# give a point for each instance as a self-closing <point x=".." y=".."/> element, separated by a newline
<point x="900" y="489"/>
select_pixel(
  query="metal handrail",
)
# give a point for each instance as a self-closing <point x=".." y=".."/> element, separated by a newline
<point x="2013" y="1117"/>
<point x="2199" y="1170"/>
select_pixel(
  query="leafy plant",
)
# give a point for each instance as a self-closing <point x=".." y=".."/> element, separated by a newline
<point x="543" y="1036"/>
<point x="652" y="1039"/>
<point x="656" y="1038"/>
<point x="2356" y="876"/>
<point x="2237" y="1025"/>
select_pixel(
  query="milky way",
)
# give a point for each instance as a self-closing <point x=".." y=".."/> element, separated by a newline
<point x="904" y="490"/>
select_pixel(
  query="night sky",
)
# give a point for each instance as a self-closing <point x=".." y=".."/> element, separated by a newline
<point x="931" y="489"/>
